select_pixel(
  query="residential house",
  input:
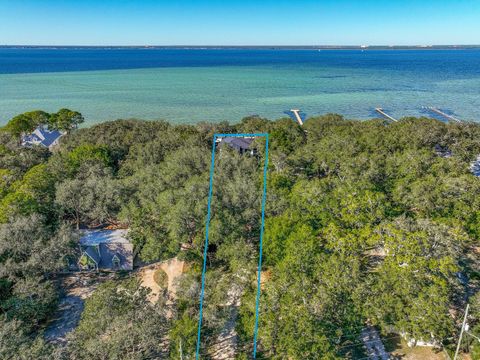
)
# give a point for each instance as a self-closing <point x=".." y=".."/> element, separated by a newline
<point x="42" y="136"/>
<point x="241" y="144"/>
<point x="475" y="167"/>
<point x="105" y="250"/>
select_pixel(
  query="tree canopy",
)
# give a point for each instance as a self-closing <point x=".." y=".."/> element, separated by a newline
<point x="366" y="223"/>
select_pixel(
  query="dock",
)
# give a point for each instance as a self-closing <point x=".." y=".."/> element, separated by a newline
<point x="384" y="114"/>
<point x="441" y="113"/>
<point x="296" y="113"/>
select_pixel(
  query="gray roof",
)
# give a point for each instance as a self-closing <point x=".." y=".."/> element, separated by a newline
<point x="475" y="167"/>
<point x="109" y="243"/>
<point x="94" y="237"/>
<point x="93" y="253"/>
<point x="123" y="251"/>
<point x="238" y="143"/>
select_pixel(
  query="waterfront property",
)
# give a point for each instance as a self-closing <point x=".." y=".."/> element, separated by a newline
<point x="105" y="250"/>
<point x="241" y="144"/>
<point x="42" y="136"/>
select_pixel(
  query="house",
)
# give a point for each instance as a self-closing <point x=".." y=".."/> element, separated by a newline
<point x="105" y="250"/>
<point x="42" y="136"/>
<point x="475" y="167"/>
<point x="443" y="151"/>
<point x="241" y="144"/>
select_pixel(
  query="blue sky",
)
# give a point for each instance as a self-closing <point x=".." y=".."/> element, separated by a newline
<point x="233" y="22"/>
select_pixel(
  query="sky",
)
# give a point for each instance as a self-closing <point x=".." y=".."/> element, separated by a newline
<point x="239" y="22"/>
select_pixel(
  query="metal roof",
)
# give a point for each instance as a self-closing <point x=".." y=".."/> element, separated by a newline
<point x="42" y="136"/>
<point x="238" y="143"/>
<point x="94" y="237"/>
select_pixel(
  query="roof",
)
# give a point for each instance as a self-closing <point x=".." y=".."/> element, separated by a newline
<point x="95" y="237"/>
<point x="123" y="251"/>
<point x="42" y="136"/>
<point x="443" y="151"/>
<point x="110" y="243"/>
<point x="92" y="252"/>
<point x="475" y="167"/>
<point x="238" y="143"/>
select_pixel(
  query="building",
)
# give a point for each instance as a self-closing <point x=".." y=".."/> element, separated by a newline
<point x="108" y="250"/>
<point x="241" y="144"/>
<point x="443" y="151"/>
<point x="42" y="136"/>
<point x="475" y="167"/>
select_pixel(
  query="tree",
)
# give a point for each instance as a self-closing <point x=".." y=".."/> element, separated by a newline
<point x="118" y="322"/>
<point x="18" y="344"/>
<point x="365" y="223"/>
<point x="85" y="156"/>
<point x="93" y="197"/>
<point x="27" y="122"/>
<point x="308" y="303"/>
<point x="34" y="193"/>
<point x="28" y="248"/>
<point x="168" y="207"/>
<point x="65" y="119"/>
<point x="411" y="288"/>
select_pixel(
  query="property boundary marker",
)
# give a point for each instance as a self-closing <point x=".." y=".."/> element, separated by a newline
<point x="262" y="226"/>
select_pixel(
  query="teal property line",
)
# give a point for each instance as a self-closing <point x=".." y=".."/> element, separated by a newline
<point x="262" y="226"/>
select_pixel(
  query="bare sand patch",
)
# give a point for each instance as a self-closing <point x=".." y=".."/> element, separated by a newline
<point x="173" y="268"/>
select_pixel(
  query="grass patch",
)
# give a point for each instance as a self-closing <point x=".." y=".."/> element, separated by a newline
<point x="161" y="279"/>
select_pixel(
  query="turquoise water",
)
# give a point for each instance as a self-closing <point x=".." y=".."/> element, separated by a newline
<point x="401" y="84"/>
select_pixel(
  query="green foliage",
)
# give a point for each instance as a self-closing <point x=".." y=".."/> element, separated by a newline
<point x="91" y="197"/>
<point x="309" y="298"/>
<point x="411" y="289"/>
<point x="365" y="222"/>
<point x="184" y="337"/>
<point x="65" y="119"/>
<point x="288" y="135"/>
<point x="27" y="122"/>
<point x="33" y="194"/>
<point x="17" y="344"/>
<point x="28" y="248"/>
<point x="161" y="278"/>
<point x="32" y="302"/>
<point x="87" y="155"/>
<point x="175" y="213"/>
<point x="119" y="323"/>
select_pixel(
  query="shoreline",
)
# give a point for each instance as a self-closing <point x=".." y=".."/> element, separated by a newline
<point x="319" y="116"/>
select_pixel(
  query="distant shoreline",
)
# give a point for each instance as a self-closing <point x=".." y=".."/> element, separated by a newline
<point x="247" y="47"/>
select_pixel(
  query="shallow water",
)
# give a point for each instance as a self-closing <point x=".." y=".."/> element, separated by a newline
<point x="186" y="86"/>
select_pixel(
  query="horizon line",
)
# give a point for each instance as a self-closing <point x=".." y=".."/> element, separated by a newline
<point x="361" y="46"/>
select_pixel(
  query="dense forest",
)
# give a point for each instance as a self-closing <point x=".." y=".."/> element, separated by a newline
<point x="367" y="222"/>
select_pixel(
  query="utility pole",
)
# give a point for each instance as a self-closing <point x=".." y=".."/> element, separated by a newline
<point x="461" y="332"/>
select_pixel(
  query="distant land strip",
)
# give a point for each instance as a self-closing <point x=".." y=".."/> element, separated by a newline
<point x="259" y="47"/>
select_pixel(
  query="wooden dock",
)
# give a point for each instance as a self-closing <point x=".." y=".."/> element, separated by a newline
<point x="296" y="113"/>
<point x="384" y="114"/>
<point x="441" y="113"/>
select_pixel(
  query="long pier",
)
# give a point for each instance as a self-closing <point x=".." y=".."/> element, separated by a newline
<point x="441" y="113"/>
<point x="383" y="113"/>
